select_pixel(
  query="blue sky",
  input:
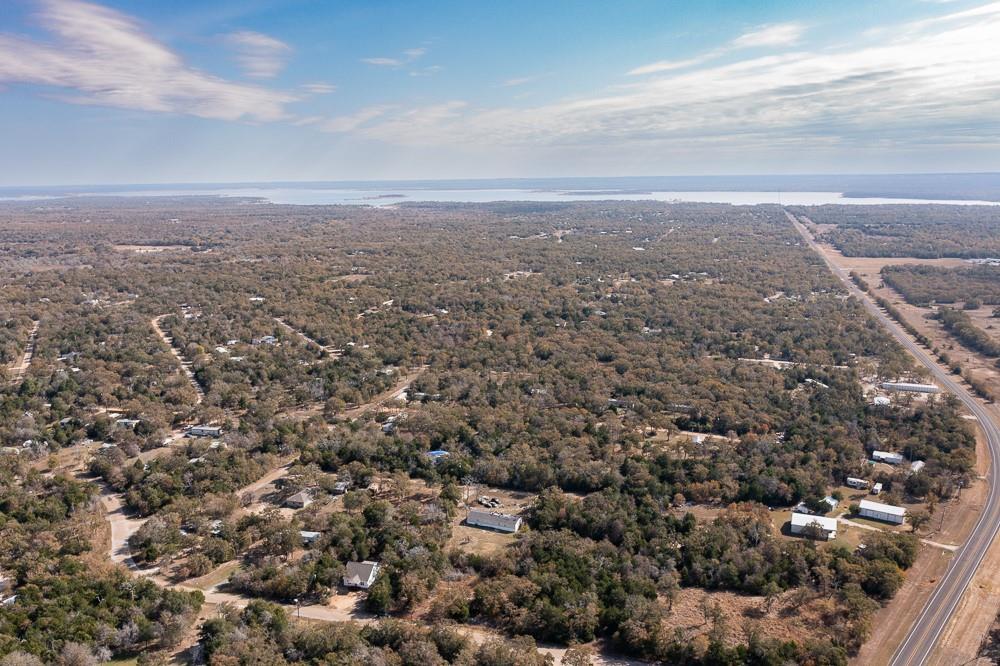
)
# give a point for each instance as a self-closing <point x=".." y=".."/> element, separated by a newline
<point x="260" y="90"/>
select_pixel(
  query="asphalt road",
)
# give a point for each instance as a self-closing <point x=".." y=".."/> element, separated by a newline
<point x="916" y="648"/>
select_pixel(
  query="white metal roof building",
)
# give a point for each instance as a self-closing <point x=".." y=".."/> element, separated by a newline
<point x="493" y="520"/>
<point x="908" y="387"/>
<point x="827" y="526"/>
<point x="884" y="512"/>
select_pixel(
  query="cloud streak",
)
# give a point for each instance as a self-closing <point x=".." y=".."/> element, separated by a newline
<point x="778" y="34"/>
<point x="935" y="81"/>
<point x="408" y="56"/>
<point x="99" y="56"/>
<point x="259" y="55"/>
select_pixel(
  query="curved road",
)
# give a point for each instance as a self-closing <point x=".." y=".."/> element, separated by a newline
<point x="920" y="641"/>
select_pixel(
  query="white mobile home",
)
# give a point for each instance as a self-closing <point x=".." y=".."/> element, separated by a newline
<point x="826" y="526"/>
<point x="885" y="512"/>
<point x="204" y="431"/>
<point x="887" y="457"/>
<point x="493" y="520"/>
<point x="855" y="482"/>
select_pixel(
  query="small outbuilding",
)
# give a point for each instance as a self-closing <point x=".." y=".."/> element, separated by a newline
<point x="308" y="537"/>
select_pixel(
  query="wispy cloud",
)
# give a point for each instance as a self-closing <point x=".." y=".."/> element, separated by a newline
<point x="426" y="71"/>
<point x="319" y="88"/>
<point x="930" y="81"/>
<point x="354" y="121"/>
<point x="408" y="56"/>
<point x="778" y="34"/>
<point x="259" y="55"/>
<point x="105" y="57"/>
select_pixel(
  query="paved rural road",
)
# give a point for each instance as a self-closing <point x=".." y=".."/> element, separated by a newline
<point x="920" y="641"/>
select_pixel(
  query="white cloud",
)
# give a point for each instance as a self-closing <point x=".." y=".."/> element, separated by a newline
<point x="354" y="121"/>
<point x="670" y="65"/>
<point x="929" y="82"/>
<point x="778" y="34"/>
<point x="259" y="55"/>
<point x="384" y="62"/>
<point x="426" y="71"/>
<point x="409" y="55"/>
<point x="106" y="58"/>
<point x="319" y="88"/>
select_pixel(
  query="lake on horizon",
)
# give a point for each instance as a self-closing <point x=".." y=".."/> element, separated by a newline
<point x="389" y="197"/>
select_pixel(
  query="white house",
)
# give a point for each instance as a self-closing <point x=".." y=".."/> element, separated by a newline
<point x="801" y="507"/>
<point x="493" y="520"/>
<point x="884" y="512"/>
<point x="204" y="431"/>
<point x="888" y="457"/>
<point x="854" y="482"/>
<point x="826" y="526"/>
<point x="361" y="574"/>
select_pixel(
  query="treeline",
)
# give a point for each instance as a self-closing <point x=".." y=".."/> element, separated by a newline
<point x="923" y="285"/>
<point x="262" y="633"/>
<point x="894" y="312"/>
<point x="925" y="231"/>
<point x="60" y="606"/>
<point x="960" y="325"/>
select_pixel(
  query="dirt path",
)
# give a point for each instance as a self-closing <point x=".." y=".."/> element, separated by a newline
<point x="394" y="393"/>
<point x="122" y="527"/>
<point x="871" y="528"/>
<point x="185" y="365"/>
<point x="18" y="371"/>
<point x="326" y="349"/>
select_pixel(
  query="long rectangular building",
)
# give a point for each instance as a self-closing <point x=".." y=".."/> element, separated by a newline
<point x="493" y="520"/>
<point x="887" y="513"/>
<point x="908" y="387"/>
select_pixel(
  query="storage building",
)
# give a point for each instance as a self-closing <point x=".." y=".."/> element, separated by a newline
<point x="885" y="512"/>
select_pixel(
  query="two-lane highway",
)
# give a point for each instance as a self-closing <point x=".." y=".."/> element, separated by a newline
<point x="923" y="635"/>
